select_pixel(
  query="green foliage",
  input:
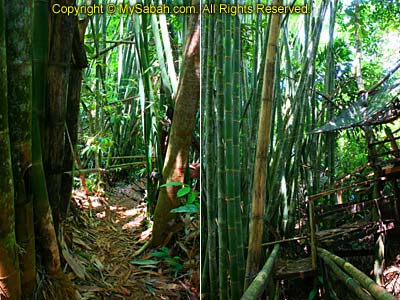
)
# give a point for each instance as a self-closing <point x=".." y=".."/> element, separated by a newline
<point x="187" y="208"/>
<point x="183" y="191"/>
<point x="172" y="183"/>
<point x="172" y="262"/>
<point x="377" y="20"/>
<point x="191" y="203"/>
<point x="92" y="182"/>
<point x="351" y="151"/>
<point x="314" y="292"/>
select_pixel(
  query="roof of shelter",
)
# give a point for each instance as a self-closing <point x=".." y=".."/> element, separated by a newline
<point x="381" y="104"/>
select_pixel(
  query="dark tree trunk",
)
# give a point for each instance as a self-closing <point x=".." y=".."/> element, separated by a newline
<point x="57" y="77"/>
<point x="72" y="117"/>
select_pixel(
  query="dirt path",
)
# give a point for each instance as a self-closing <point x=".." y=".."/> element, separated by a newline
<point x="102" y="236"/>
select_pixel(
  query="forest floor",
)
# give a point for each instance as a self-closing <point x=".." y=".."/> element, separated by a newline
<point x="102" y="236"/>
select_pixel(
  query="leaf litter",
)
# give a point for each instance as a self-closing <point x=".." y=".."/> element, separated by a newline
<point x="100" y="238"/>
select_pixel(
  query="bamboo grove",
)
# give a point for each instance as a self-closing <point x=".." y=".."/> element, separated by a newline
<point x="267" y="83"/>
<point x="130" y="92"/>
<point x="84" y="96"/>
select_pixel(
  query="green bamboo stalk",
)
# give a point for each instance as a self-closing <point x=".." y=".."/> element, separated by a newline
<point x="19" y="69"/>
<point x="210" y="160"/>
<point x="236" y="93"/>
<point x="257" y="286"/>
<point x="146" y="94"/>
<point x="160" y="54"/>
<point x="328" y="90"/>
<point x="223" y="262"/>
<point x="236" y="111"/>
<point x="168" y="52"/>
<point x="45" y="234"/>
<point x="10" y="279"/>
<point x="231" y="197"/>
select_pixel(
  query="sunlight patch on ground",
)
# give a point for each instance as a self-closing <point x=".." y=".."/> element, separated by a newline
<point x="137" y="222"/>
<point x="84" y="201"/>
<point x="129" y="213"/>
<point x="145" y="234"/>
<point x="113" y="208"/>
<point x="101" y="215"/>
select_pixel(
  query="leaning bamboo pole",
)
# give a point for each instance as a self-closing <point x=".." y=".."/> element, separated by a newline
<point x="367" y="283"/>
<point x="258" y="285"/>
<point x="118" y="167"/>
<point x="352" y="284"/>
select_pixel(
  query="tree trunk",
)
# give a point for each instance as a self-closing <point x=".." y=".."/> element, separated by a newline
<point x="57" y="78"/>
<point x="72" y="117"/>
<point x="176" y="160"/>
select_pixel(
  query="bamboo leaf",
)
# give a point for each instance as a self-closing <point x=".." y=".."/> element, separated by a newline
<point x="172" y="183"/>
<point x="144" y="262"/>
<point x="183" y="191"/>
<point x="188" y="208"/>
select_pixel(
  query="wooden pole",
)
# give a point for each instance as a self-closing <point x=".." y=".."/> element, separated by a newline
<point x="312" y="234"/>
